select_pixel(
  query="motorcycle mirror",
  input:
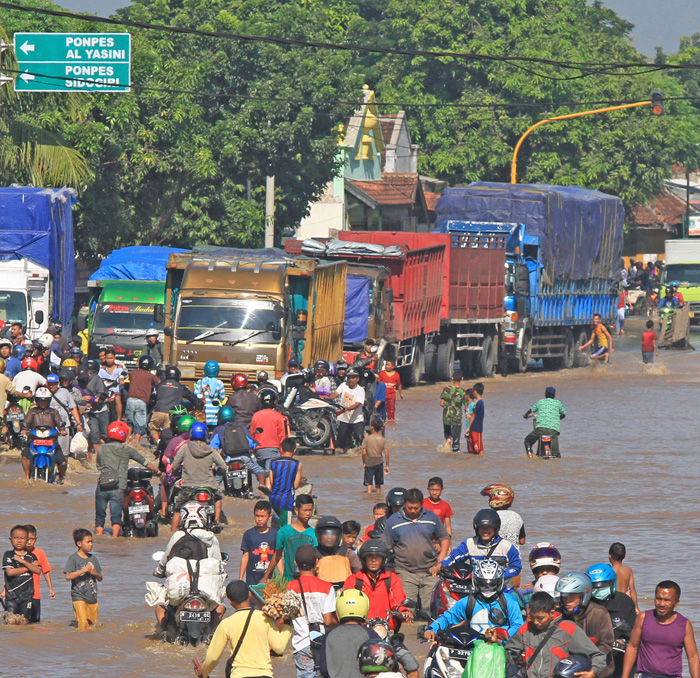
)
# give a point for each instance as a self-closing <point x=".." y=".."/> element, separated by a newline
<point x="224" y="556"/>
<point x="422" y="615"/>
<point x="409" y="603"/>
<point x="158" y="555"/>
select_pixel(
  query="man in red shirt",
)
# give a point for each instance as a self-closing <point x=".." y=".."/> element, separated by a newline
<point x="269" y="428"/>
<point x="649" y="346"/>
<point x="392" y="379"/>
<point x="438" y="506"/>
<point x="385" y="594"/>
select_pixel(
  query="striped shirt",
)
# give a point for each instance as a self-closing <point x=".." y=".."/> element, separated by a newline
<point x="412" y="540"/>
<point x="284" y="471"/>
<point x="210" y="389"/>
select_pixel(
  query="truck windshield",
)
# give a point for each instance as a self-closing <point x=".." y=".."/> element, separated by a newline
<point x="13" y="307"/>
<point x="682" y="273"/>
<point x="210" y="319"/>
<point x="124" y="316"/>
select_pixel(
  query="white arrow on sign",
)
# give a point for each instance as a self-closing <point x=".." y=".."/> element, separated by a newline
<point x="26" y="47"/>
<point x="26" y="77"/>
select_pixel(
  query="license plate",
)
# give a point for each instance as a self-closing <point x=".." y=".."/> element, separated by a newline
<point x="15" y="416"/>
<point x="187" y="616"/>
<point x="462" y="655"/>
<point x="461" y="589"/>
<point x="138" y="509"/>
<point x="237" y="474"/>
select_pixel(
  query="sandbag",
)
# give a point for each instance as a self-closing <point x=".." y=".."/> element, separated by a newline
<point x="156" y="594"/>
<point x="210" y="583"/>
<point x="486" y="661"/>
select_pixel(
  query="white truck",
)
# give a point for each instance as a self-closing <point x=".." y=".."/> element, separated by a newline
<point x="682" y="267"/>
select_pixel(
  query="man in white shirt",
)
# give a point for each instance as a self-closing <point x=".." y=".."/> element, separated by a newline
<point x="351" y="422"/>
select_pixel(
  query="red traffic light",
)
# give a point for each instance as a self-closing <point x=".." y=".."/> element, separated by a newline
<point x="657" y="103"/>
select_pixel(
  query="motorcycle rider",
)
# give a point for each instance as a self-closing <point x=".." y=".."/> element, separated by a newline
<point x="142" y="381"/>
<point x="545" y="560"/>
<point x="385" y="593"/>
<point x="244" y="402"/>
<point x="378" y="658"/>
<point x="153" y="347"/>
<point x="96" y="407"/>
<point x="501" y="497"/>
<point x="576" y="605"/>
<point x="43" y="415"/>
<point x="6" y="388"/>
<point x="12" y="366"/>
<point x="268" y="428"/>
<point x="192" y="539"/>
<point x="341" y="370"/>
<point x="211" y="390"/>
<point x="170" y="392"/>
<point x="489" y="610"/>
<point x="184" y="423"/>
<point x="196" y="459"/>
<point x="62" y="401"/>
<point x="233" y="440"/>
<point x="336" y="562"/>
<point x="549" y="413"/>
<point x="488" y="544"/>
<point x="619" y="605"/>
<point x="28" y="376"/>
<point x="322" y="383"/>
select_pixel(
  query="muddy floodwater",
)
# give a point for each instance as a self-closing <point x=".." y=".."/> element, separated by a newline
<point x="629" y="473"/>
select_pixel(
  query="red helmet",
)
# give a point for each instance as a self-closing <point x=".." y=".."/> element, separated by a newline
<point x="239" y="381"/>
<point x="118" y="430"/>
<point x="500" y="495"/>
<point x="30" y="364"/>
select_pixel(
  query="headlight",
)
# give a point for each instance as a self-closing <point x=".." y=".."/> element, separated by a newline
<point x="452" y="672"/>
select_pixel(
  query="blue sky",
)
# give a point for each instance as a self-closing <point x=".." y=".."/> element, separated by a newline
<point x="657" y="22"/>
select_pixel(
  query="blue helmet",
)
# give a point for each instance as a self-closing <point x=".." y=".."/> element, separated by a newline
<point x="571" y="666"/>
<point x="52" y="378"/>
<point x="211" y="369"/>
<point x="198" y="431"/>
<point x="604" y="580"/>
<point x="20" y="352"/>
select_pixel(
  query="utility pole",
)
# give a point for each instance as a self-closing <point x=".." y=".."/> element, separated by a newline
<point x="270" y="211"/>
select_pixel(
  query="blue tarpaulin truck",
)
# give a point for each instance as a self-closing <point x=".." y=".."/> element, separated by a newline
<point x="37" y="261"/>
<point x="563" y="253"/>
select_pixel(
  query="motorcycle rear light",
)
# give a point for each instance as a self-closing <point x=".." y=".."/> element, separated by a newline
<point x="194" y="605"/>
<point x="138" y="495"/>
<point x="235" y="466"/>
<point x="202" y="496"/>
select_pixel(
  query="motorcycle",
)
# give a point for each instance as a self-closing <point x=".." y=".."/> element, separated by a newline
<point x="205" y="496"/>
<point x="238" y="480"/>
<point x="43" y="443"/>
<point x="454" y="584"/>
<point x="312" y="419"/>
<point x="544" y="444"/>
<point x="140" y="519"/>
<point x="448" y="657"/>
<point x="14" y="418"/>
<point x="382" y="626"/>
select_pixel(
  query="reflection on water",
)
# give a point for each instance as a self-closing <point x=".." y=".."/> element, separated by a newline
<point x="628" y="474"/>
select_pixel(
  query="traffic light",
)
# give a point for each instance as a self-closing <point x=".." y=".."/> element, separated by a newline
<point x="657" y="103"/>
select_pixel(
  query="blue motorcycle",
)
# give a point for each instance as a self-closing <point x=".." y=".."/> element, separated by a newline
<point x="43" y="443"/>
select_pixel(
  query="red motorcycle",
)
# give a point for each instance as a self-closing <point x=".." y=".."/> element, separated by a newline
<point x="140" y="515"/>
<point x="455" y="584"/>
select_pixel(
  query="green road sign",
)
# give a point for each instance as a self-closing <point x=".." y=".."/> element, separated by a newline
<point x="73" y="62"/>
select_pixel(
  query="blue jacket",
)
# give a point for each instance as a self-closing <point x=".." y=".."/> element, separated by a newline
<point x="480" y="618"/>
<point x="13" y="367"/>
<point x="216" y="439"/>
<point x="473" y="550"/>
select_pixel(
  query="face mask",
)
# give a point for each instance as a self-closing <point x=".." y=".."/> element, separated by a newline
<point x="601" y="594"/>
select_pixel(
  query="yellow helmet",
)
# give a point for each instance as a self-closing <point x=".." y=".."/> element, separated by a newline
<point x="3" y="365"/>
<point x="69" y="362"/>
<point x="352" y="605"/>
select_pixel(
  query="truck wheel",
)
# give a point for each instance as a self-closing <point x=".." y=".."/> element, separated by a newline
<point x="467" y="363"/>
<point x="430" y="362"/>
<point x="522" y="359"/>
<point x="567" y="360"/>
<point x="417" y="366"/>
<point x="445" y="360"/>
<point x="486" y="359"/>
<point x="581" y="358"/>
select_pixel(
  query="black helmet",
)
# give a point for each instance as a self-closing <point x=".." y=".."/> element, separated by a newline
<point x="321" y="365"/>
<point x="268" y="397"/>
<point x="571" y="665"/>
<point x="378" y="529"/>
<point x="487" y="518"/>
<point x="147" y="362"/>
<point x="329" y="534"/>
<point x="172" y="372"/>
<point x="66" y="374"/>
<point x="341" y="365"/>
<point x="395" y="498"/>
<point x="376" y="656"/>
<point x="372" y="547"/>
<point x="93" y="364"/>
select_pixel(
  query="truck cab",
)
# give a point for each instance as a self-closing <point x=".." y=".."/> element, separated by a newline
<point x="683" y="270"/>
<point x="25" y="295"/>
<point x="122" y="311"/>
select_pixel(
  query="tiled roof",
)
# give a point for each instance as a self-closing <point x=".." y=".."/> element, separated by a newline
<point x="379" y="193"/>
<point x="431" y="200"/>
<point x="664" y="210"/>
<point x="404" y="182"/>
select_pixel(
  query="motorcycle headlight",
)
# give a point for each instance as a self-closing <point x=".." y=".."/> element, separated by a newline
<point x="43" y="434"/>
<point x="381" y="630"/>
<point x="452" y="672"/>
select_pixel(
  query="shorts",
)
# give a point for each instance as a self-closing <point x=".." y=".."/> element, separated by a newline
<point x="136" y="415"/>
<point x="265" y="456"/>
<point x="59" y="457"/>
<point x="19" y="606"/>
<point x="186" y="493"/>
<point x="159" y="421"/>
<point x="85" y="614"/>
<point x="350" y="435"/>
<point x="475" y="443"/>
<point x="374" y="475"/>
<point x="99" y="423"/>
<point x="598" y="352"/>
<point x="648" y="357"/>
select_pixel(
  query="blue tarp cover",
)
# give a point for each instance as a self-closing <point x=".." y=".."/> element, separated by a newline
<point x="37" y="224"/>
<point x="356" y="309"/>
<point x="135" y="263"/>
<point x="579" y="230"/>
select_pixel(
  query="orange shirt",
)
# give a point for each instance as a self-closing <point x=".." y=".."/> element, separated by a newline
<point x="45" y="567"/>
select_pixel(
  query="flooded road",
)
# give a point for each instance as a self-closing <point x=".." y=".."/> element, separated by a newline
<point x="629" y="473"/>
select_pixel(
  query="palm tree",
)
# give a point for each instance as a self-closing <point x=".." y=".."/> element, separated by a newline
<point x="30" y="154"/>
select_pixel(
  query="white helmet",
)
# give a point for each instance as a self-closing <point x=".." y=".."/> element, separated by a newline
<point x="488" y="579"/>
<point x="43" y="392"/>
<point x="193" y="515"/>
<point x="548" y="584"/>
<point x="6" y="342"/>
<point x="46" y="340"/>
<point x="545" y="555"/>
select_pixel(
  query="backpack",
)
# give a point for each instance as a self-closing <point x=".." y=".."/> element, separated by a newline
<point x="235" y="440"/>
<point x="189" y="548"/>
<point x="471" y="604"/>
<point x="333" y="569"/>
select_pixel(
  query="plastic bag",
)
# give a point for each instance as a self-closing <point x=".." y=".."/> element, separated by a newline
<point x="79" y="445"/>
<point x="486" y="661"/>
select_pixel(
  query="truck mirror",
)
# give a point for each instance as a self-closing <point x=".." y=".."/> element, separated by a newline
<point x="168" y="331"/>
<point x="158" y="313"/>
<point x="39" y="317"/>
<point x="271" y="327"/>
<point x="278" y="310"/>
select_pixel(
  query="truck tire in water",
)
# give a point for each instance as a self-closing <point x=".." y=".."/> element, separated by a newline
<point x="570" y="350"/>
<point x="416" y="368"/>
<point x="445" y="360"/>
<point x="430" y="362"/>
<point x="522" y="359"/>
<point x="486" y="358"/>
<point x="581" y="358"/>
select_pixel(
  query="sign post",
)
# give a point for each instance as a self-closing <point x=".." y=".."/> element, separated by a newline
<point x="73" y="62"/>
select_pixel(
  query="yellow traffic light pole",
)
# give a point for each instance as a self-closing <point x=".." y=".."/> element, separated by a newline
<point x="514" y="162"/>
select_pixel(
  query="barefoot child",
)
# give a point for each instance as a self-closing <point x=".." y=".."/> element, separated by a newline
<point x="475" y="425"/>
<point x="438" y="506"/>
<point x="83" y="571"/>
<point x="43" y="563"/>
<point x="19" y="566"/>
<point x="649" y="345"/>
<point x="625" y="576"/>
<point x="374" y="456"/>
<point x="390" y="377"/>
